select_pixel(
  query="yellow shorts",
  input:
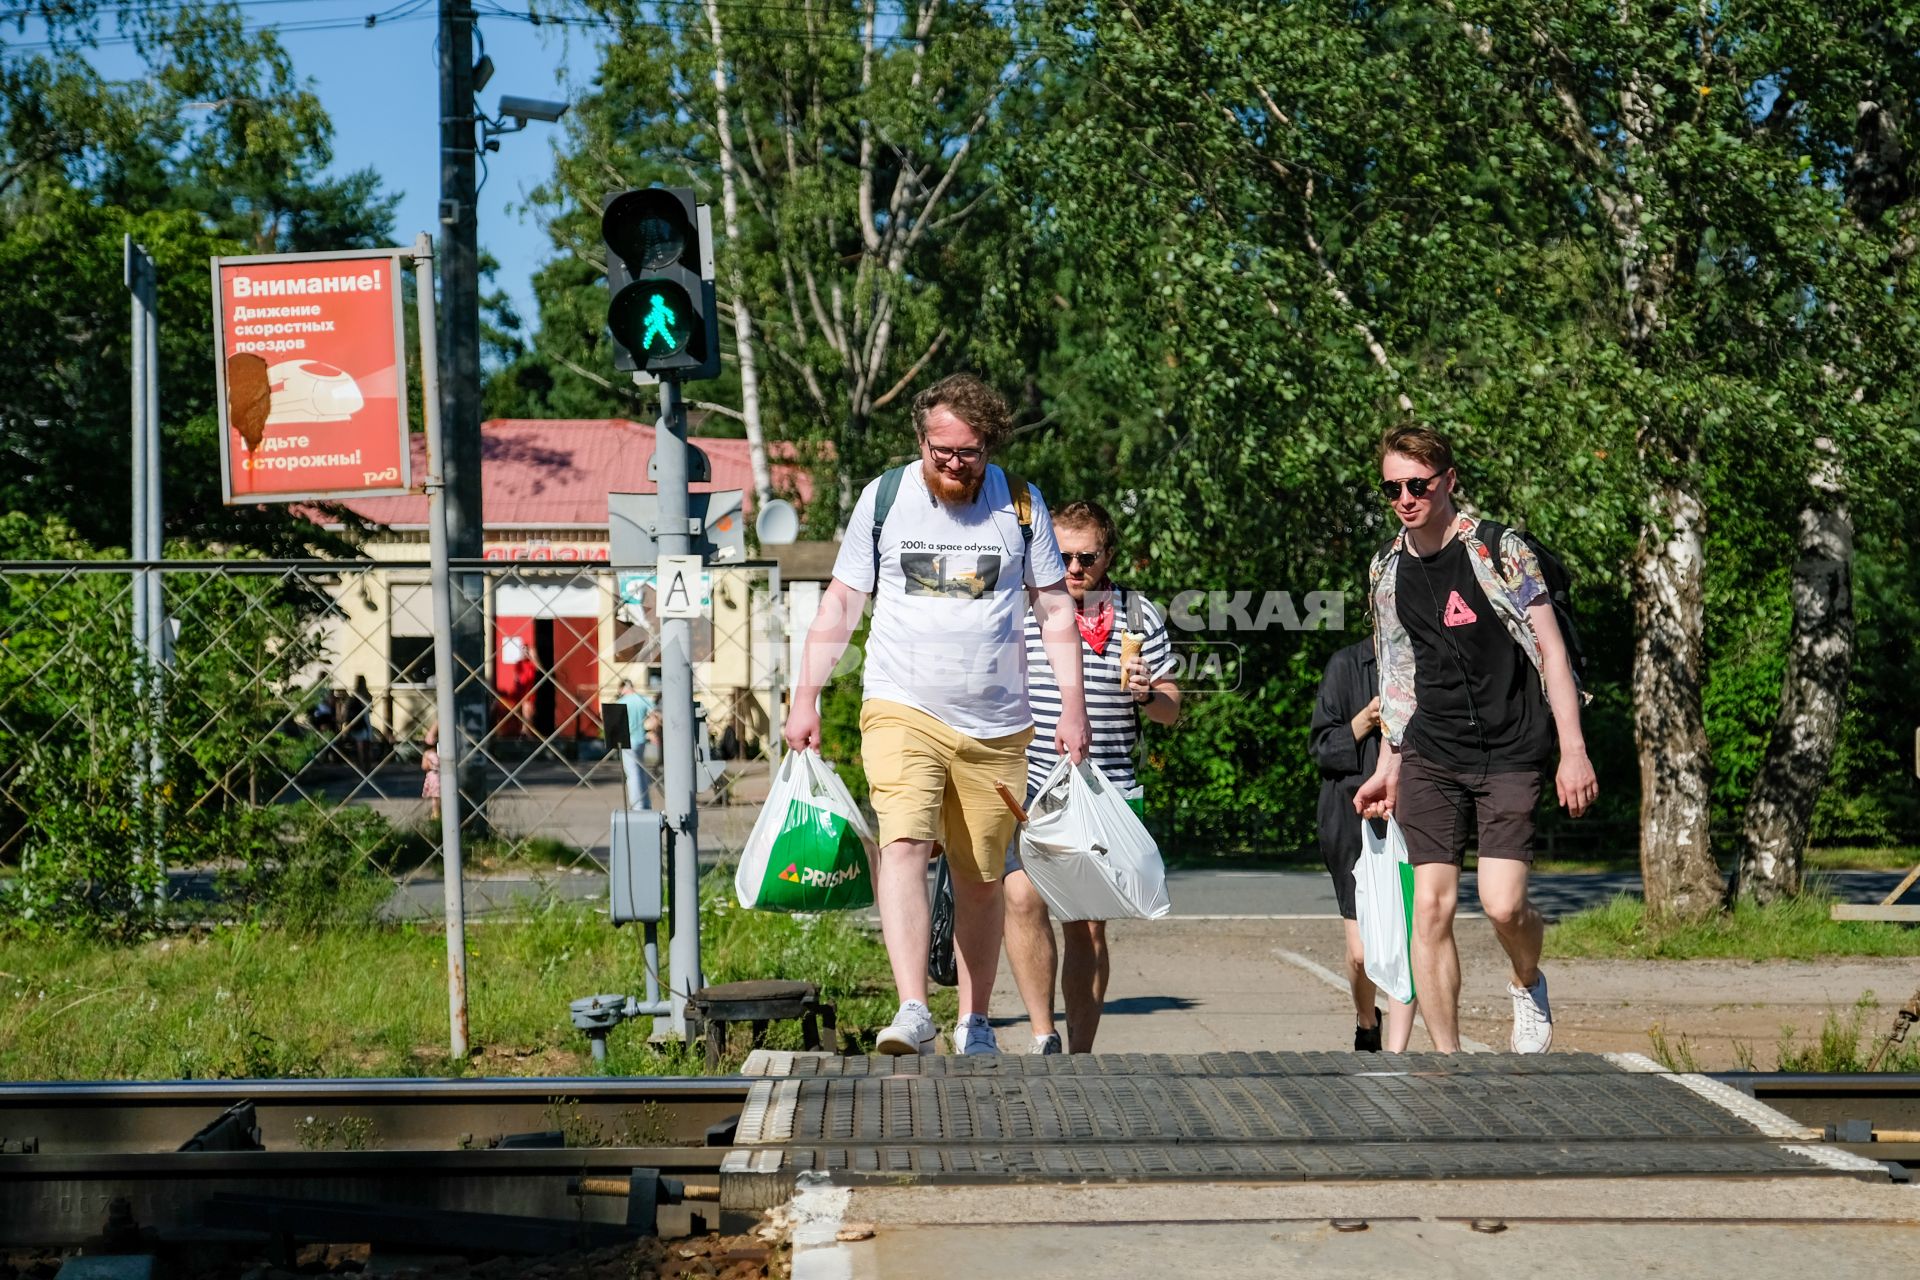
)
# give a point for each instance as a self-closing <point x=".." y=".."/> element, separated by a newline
<point x="929" y="781"/>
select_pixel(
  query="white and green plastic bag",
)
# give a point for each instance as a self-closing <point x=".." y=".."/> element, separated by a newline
<point x="1383" y="900"/>
<point x="808" y="848"/>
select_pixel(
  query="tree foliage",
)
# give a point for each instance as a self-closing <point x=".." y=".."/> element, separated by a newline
<point x="1649" y="266"/>
<point x="214" y="152"/>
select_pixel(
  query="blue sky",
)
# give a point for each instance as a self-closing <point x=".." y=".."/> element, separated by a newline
<point x="382" y="88"/>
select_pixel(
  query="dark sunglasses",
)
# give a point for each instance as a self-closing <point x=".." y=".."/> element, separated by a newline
<point x="1417" y="486"/>
<point x="1085" y="559"/>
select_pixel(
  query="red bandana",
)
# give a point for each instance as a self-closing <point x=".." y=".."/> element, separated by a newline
<point x="1095" y="628"/>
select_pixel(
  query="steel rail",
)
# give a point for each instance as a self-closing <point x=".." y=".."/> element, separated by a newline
<point x="1842" y="1103"/>
<point x="54" y="1118"/>
<point x="78" y="1154"/>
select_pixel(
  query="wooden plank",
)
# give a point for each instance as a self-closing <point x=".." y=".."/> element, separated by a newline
<point x="1902" y="887"/>
<point x="1876" y="911"/>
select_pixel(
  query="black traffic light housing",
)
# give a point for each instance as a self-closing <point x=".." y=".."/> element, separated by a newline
<point x="660" y="308"/>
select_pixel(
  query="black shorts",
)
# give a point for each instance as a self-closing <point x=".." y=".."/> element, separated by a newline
<point x="1440" y="808"/>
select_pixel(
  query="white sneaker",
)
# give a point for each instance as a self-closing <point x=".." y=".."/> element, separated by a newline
<point x="911" y="1031"/>
<point x="972" y="1035"/>
<point x="1047" y="1044"/>
<point x="1532" y="1017"/>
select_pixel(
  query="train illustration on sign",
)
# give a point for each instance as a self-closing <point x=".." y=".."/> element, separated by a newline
<point x="311" y="391"/>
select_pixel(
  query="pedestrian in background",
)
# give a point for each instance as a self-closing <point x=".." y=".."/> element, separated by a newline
<point x="1128" y="666"/>
<point x="632" y="759"/>
<point x="1346" y="746"/>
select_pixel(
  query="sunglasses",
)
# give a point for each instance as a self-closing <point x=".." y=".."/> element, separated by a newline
<point x="1085" y="559"/>
<point x="1417" y="486"/>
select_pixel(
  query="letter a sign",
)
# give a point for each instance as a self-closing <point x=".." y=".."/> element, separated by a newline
<point x="681" y="592"/>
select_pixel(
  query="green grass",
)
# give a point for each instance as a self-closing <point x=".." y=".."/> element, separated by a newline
<point x="369" y="1001"/>
<point x="1796" y="929"/>
<point x="1844" y="1043"/>
<point x="1849" y="858"/>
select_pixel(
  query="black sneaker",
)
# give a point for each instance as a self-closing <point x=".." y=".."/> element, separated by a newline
<point x="1367" y="1039"/>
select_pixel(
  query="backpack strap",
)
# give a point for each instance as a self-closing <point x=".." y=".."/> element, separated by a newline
<point x="1491" y="534"/>
<point x="1022" y="503"/>
<point x="889" y="492"/>
<point x="883" y="499"/>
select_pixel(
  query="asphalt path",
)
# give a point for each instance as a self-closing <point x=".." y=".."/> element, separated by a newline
<point x="1196" y="892"/>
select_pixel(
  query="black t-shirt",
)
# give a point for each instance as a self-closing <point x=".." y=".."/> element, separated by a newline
<point x="1478" y="706"/>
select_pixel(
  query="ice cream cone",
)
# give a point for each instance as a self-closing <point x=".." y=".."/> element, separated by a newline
<point x="1129" y="650"/>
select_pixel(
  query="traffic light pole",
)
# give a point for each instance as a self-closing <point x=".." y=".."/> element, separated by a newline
<point x="676" y="715"/>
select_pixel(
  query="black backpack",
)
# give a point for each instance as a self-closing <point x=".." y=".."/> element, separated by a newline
<point x="1559" y="589"/>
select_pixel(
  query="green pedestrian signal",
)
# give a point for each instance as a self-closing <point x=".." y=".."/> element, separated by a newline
<point x="660" y="323"/>
<point x="652" y="321"/>
<point x="661" y="313"/>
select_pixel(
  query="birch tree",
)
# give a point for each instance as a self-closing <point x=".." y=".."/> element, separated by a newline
<point x="1569" y="233"/>
<point x="846" y="145"/>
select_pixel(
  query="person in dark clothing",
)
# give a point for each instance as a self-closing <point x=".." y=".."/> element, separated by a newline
<point x="1477" y="696"/>
<point x="1346" y="746"/>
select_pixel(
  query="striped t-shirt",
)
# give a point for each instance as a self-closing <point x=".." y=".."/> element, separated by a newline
<point x="1112" y="715"/>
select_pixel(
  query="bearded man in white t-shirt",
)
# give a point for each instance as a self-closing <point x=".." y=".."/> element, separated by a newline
<point x="953" y="561"/>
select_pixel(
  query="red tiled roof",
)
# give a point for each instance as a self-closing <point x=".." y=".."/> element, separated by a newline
<point x="556" y="473"/>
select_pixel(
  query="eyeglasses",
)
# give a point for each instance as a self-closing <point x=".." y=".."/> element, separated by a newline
<point x="1085" y="559"/>
<point x="942" y="457"/>
<point x="1417" y="486"/>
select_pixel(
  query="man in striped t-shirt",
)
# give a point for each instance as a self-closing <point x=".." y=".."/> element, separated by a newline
<point x="1103" y="612"/>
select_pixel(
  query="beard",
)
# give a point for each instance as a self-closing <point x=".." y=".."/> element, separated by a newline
<point x="949" y="490"/>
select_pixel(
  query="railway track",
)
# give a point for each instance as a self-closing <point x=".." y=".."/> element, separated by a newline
<point x="453" y="1163"/>
<point x="503" y="1164"/>
<point x="1876" y="1116"/>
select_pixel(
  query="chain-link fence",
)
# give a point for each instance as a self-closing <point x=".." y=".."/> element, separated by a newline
<point x="283" y="742"/>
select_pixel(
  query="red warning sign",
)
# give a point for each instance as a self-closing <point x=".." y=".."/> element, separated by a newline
<point x="312" y="375"/>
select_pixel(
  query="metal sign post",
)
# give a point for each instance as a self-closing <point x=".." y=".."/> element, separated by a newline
<point x="445" y="681"/>
<point x="145" y="544"/>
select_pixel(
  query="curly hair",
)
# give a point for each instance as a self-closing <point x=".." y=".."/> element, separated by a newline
<point x="1089" y="515"/>
<point x="1423" y="444"/>
<point x="972" y="401"/>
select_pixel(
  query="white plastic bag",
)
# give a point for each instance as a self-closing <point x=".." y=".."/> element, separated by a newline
<point x="810" y="847"/>
<point x="1087" y="853"/>
<point x="1383" y="900"/>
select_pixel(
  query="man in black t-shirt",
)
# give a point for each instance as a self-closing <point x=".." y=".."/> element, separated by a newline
<point x="1475" y="692"/>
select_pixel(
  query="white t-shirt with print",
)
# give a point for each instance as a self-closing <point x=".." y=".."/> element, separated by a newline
<point x="946" y="636"/>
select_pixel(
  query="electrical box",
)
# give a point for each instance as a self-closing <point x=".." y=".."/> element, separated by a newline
<point x="640" y="842"/>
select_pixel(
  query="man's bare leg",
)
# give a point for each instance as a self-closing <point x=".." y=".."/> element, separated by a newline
<point x="978" y="911"/>
<point x="1030" y="950"/>
<point x="1083" y="980"/>
<point x="906" y="917"/>
<point x="1520" y="928"/>
<point x="1436" y="960"/>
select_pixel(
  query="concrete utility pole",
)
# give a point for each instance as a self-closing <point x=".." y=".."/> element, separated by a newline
<point x="444" y="677"/>
<point x="459" y="462"/>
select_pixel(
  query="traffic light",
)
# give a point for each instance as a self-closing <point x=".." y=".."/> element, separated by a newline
<point x="660" y="283"/>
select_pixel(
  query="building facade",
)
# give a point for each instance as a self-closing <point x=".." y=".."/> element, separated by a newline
<point x="563" y="628"/>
